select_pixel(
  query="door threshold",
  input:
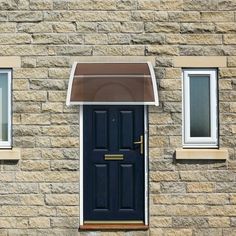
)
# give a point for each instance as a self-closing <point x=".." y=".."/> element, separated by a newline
<point x="114" y="225"/>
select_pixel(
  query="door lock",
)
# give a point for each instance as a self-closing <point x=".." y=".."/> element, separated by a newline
<point x="141" y="144"/>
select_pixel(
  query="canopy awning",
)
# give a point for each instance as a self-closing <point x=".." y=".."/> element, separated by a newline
<point x="112" y="83"/>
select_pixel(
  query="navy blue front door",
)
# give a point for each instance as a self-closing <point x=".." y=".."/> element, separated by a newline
<point x="113" y="164"/>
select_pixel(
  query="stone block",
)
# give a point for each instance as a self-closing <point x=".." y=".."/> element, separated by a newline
<point x="69" y="50"/>
<point x="219" y="222"/>
<point x="229" y="39"/>
<point x="41" y="4"/>
<point x="173" y="73"/>
<point x="108" y="50"/>
<point x="178" y="232"/>
<point x="66" y="222"/>
<point x="26" y="107"/>
<point x="148" y="4"/>
<point x="198" y="222"/>
<point x="192" y="50"/>
<point x="39" y="222"/>
<point x="175" y="39"/>
<point x="34" y="165"/>
<point x="200" y="187"/>
<point x="62" y="199"/>
<point x="203" y="39"/>
<point x="96" y="39"/>
<point x="200" y="5"/>
<point x="51" y="154"/>
<point x="170" y="84"/>
<point x="171" y="5"/>
<point x="28" y="62"/>
<point x="47" y="84"/>
<point x="148" y="38"/>
<point x="216" y="16"/>
<point x="170" y="96"/>
<point x="227" y="232"/>
<point x="109" y="27"/>
<point x="133" y="50"/>
<point x="38" y="119"/>
<point x="118" y="38"/>
<point x="59" y="73"/>
<point x="20" y="210"/>
<point x="86" y="27"/>
<point x="21" y="84"/>
<point x="184" y="16"/>
<point x="7" y="27"/>
<point x="65" y="119"/>
<point x="76" y="38"/>
<point x="172" y="187"/>
<point x="49" y="39"/>
<point x="65" y="142"/>
<point x="158" y="176"/>
<point x="36" y="96"/>
<point x="57" y="96"/>
<point x="39" y="27"/>
<point x="149" y="16"/>
<point x="227" y="27"/>
<point x="208" y="232"/>
<point x="227" y="5"/>
<point x="26" y="130"/>
<point x="159" y="222"/>
<point x="158" y="141"/>
<point x="52" y="62"/>
<point x="68" y="211"/>
<point x="162" y="27"/>
<point x="197" y="28"/>
<point x="26" y="16"/>
<point x="64" y="27"/>
<point x="205" y="176"/>
<point x="31" y="199"/>
<point x="30" y="73"/>
<point x="126" y="4"/>
<point x="53" y="107"/>
<point x="92" y="5"/>
<point x="162" y="50"/>
<point x="132" y="27"/>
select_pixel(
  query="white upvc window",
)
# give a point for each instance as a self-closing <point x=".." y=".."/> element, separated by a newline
<point x="5" y="108"/>
<point x="200" y="119"/>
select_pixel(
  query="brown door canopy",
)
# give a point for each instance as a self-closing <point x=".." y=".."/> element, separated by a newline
<point x="112" y="83"/>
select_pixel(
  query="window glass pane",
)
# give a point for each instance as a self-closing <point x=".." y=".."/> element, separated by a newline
<point x="3" y="107"/>
<point x="200" y="106"/>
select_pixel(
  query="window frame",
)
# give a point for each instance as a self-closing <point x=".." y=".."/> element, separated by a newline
<point x="200" y="142"/>
<point x="8" y="143"/>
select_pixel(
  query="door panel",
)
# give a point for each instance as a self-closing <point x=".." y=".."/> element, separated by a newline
<point x="101" y="129"/>
<point x="126" y="128"/>
<point x="101" y="181"/>
<point x="113" y="189"/>
<point x="126" y="187"/>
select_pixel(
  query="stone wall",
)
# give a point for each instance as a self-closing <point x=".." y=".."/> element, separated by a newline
<point x="39" y="195"/>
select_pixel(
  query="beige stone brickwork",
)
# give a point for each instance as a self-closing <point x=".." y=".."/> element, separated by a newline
<point x="39" y="194"/>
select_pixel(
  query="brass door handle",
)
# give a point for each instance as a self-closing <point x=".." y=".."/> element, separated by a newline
<point x="141" y="144"/>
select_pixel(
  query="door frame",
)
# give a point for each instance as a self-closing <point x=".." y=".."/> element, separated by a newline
<point x="81" y="190"/>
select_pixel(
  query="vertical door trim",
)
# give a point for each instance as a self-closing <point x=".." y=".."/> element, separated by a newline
<point x="81" y="193"/>
<point x="81" y="170"/>
<point x="146" y="213"/>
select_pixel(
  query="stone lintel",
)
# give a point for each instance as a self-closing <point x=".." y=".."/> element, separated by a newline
<point x="200" y="61"/>
<point x="114" y="59"/>
<point x="10" y="62"/>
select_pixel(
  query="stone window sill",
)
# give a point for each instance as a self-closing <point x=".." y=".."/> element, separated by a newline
<point x="113" y="227"/>
<point x="202" y="154"/>
<point x="10" y="154"/>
